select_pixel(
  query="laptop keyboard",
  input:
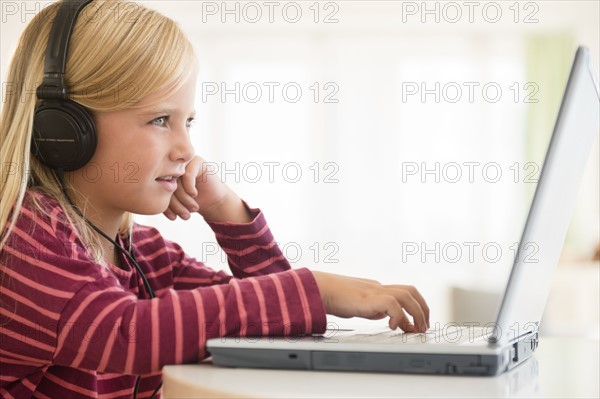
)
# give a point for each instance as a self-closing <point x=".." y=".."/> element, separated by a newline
<point x="447" y="335"/>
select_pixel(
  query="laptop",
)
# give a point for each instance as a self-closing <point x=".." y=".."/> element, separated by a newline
<point x="464" y="349"/>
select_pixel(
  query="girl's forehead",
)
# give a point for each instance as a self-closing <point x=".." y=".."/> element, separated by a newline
<point x="172" y="96"/>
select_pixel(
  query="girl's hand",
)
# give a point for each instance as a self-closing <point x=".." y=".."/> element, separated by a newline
<point x="350" y="297"/>
<point x="203" y="192"/>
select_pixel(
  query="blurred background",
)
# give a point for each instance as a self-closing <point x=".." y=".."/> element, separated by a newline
<point x="394" y="140"/>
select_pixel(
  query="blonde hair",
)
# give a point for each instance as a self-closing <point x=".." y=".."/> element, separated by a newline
<point x="119" y="53"/>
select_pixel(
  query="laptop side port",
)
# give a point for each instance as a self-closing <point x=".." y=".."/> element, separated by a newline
<point x="451" y="369"/>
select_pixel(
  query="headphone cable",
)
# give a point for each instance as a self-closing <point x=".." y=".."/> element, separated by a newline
<point x="130" y="256"/>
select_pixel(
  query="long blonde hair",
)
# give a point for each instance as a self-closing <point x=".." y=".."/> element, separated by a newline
<point x="119" y="53"/>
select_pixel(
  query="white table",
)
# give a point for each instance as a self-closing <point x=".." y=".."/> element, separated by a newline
<point x="561" y="367"/>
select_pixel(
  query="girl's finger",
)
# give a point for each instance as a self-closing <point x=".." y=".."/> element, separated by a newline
<point x="408" y="302"/>
<point x="185" y="199"/>
<point x="398" y="317"/>
<point x="418" y="297"/>
<point x="178" y="208"/>
<point x="188" y="180"/>
<point x="170" y="214"/>
<point x="403" y="323"/>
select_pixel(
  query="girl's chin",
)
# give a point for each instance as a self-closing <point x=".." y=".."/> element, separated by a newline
<point x="150" y="209"/>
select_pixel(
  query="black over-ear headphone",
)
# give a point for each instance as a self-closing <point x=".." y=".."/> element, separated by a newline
<point x="64" y="134"/>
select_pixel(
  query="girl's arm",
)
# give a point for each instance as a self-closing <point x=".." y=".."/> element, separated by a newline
<point x="60" y="308"/>
<point x="250" y="248"/>
<point x="103" y="328"/>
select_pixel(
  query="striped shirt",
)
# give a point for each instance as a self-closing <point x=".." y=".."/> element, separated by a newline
<point x="71" y="328"/>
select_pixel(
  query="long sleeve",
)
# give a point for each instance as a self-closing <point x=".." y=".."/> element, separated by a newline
<point x="67" y="320"/>
<point x="250" y="247"/>
<point x="103" y="328"/>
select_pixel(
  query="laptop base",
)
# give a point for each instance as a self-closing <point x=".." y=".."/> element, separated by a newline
<point x="419" y="363"/>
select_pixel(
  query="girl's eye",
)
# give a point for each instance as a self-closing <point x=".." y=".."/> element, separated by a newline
<point x="190" y="122"/>
<point x="160" y="121"/>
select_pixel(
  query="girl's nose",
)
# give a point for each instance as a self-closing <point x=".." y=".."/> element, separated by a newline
<point x="182" y="151"/>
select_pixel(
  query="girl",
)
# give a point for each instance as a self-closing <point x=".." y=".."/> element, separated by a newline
<point x="89" y="300"/>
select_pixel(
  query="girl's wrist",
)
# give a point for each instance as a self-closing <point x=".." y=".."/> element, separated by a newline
<point x="230" y="209"/>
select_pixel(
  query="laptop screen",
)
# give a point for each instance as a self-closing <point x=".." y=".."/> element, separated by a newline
<point x="575" y="132"/>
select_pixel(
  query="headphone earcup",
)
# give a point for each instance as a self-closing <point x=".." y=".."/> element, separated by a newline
<point x="64" y="134"/>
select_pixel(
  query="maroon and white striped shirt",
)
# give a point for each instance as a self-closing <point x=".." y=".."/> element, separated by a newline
<point x="71" y="328"/>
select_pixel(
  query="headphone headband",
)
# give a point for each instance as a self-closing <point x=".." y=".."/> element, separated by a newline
<point x="53" y="85"/>
<point x="64" y="134"/>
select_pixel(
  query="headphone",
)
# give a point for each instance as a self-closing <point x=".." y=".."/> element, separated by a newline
<point x="64" y="133"/>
